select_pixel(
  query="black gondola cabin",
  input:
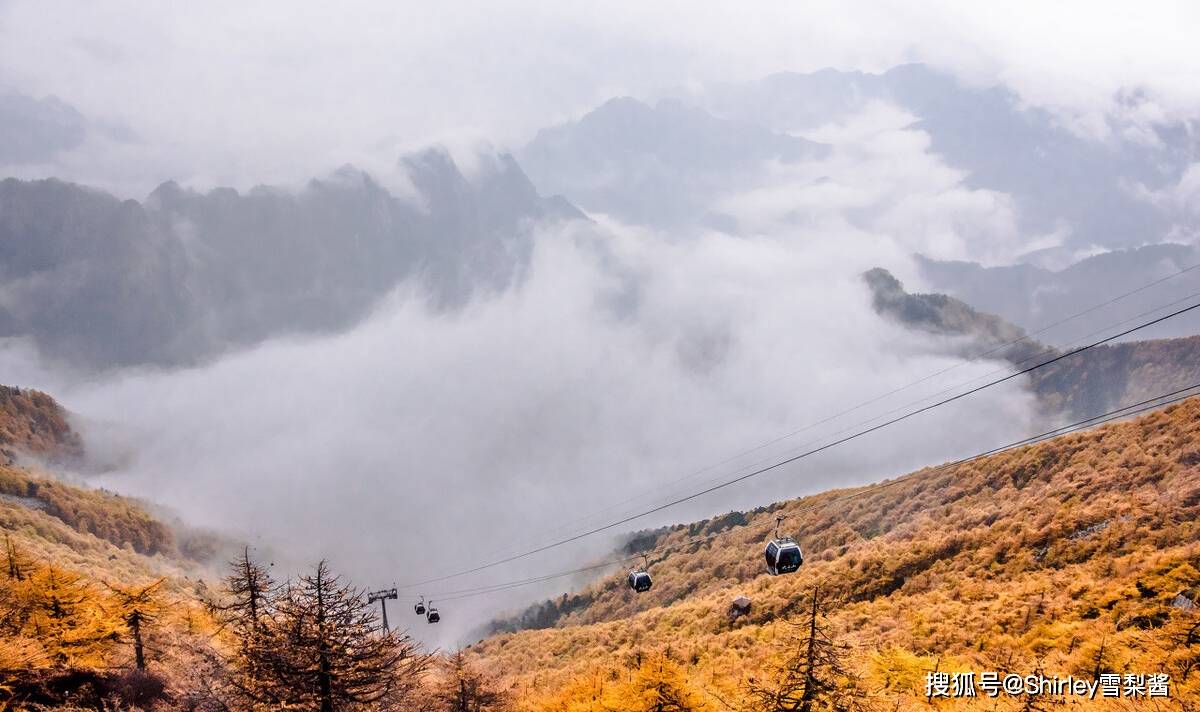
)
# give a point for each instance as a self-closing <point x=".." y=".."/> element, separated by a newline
<point x="783" y="556"/>
<point x="640" y="581"/>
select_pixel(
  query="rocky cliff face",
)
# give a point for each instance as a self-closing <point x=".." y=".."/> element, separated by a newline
<point x="98" y="282"/>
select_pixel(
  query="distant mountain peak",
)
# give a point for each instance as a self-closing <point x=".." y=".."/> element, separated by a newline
<point x="185" y="274"/>
<point x="660" y="164"/>
<point x="945" y="315"/>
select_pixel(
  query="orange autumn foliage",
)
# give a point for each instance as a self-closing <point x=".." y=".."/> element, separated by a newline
<point x="32" y="422"/>
<point x="1024" y="560"/>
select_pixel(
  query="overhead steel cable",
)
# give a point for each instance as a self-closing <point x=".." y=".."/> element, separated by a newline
<point x="994" y="349"/>
<point x="1045" y="352"/>
<point x="1116" y="414"/>
<point x="1123" y="412"/>
<point x="805" y="454"/>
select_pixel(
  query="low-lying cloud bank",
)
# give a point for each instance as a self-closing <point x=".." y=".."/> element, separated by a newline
<point x="417" y="443"/>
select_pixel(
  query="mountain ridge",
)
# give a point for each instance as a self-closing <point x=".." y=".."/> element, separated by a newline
<point x="1031" y="296"/>
<point x="98" y="282"/>
<point x="657" y="164"/>
<point x="1094" y="381"/>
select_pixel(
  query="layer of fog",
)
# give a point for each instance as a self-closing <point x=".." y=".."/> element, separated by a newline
<point x="421" y="442"/>
<point x="416" y="444"/>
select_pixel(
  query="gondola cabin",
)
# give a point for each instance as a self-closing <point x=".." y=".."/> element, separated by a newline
<point x="419" y="608"/>
<point x="639" y="580"/>
<point x="432" y="615"/>
<point x="783" y="556"/>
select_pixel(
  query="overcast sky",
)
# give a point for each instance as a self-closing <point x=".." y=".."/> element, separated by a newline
<point x="237" y="93"/>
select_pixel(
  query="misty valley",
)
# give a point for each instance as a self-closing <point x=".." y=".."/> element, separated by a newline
<point x="535" y="358"/>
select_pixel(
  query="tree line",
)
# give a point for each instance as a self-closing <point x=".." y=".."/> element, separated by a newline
<point x="310" y="644"/>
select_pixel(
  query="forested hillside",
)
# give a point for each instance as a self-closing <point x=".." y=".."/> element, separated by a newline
<point x="105" y="605"/>
<point x="76" y="563"/>
<point x="1076" y="556"/>
<point x="32" y="422"/>
<point x="74" y="559"/>
<point x="1123" y="372"/>
<point x="1079" y="555"/>
<point x="101" y="609"/>
<point x="1094" y="381"/>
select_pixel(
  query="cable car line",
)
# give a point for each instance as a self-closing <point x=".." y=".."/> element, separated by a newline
<point x="1122" y="412"/>
<point x="1025" y="337"/>
<point x="1104" y="418"/>
<point x="451" y="595"/>
<point x="1003" y="369"/>
<point x="1044" y="352"/>
<point x="805" y="454"/>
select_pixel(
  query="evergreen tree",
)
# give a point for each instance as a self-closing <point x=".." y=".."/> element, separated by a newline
<point x="462" y="687"/>
<point x="661" y="685"/>
<point x="1034" y="702"/>
<point x="1097" y="658"/>
<point x="19" y="648"/>
<point x="65" y="615"/>
<point x="16" y="565"/>
<point x="248" y="615"/>
<point x="580" y="694"/>
<point x="333" y="655"/>
<point x="137" y="608"/>
<point x="250" y="590"/>
<point x="812" y="674"/>
<point x="1185" y="638"/>
<point x="1177" y="650"/>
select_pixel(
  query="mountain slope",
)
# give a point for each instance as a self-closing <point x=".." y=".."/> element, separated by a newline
<point x="33" y="423"/>
<point x="1032" y="297"/>
<point x="1116" y="373"/>
<point x="946" y="316"/>
<point x="39" y="508"/>
<point x="70" y="553"/>
<point x="1095" y="381"/>
<point x="1022" y="560"/>
<point x="98" y="282"/>
<point x="76" y="551"/>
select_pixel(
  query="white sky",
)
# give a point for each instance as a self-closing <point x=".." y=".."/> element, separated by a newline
<point x="237" y="92"/>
